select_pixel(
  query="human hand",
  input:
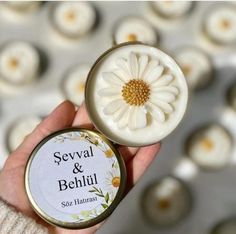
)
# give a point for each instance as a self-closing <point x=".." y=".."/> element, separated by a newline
<point x="12" y="188"/>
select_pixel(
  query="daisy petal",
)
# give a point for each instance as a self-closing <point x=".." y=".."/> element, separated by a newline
<point x="118" y="115"/>
<point x="133" y="64"/>
<point x="137" y="118"/>
<point x="112" y="78"/>
<point x="154" y="74"/>
<point x="111" y="91"/>
<point x="141" y="117"/>
<point x="143" y="61"/>
<point x="132" y="115"/>
<point x="124" y="119"/>
<point x="151" y="65"/>
<point x="157" y="113"/>
<point x="122" y="64"/>
<point x="171" y="89"/>
<point x="166" y="107"/>
<point x="165" y="96"/>
<point x="113" y="106"/>
<point x="122" y="75"/>
<point x="163" y="80"/>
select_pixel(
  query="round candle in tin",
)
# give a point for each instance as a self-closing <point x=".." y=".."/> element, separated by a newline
<point x="220" y="24"/>
<point x="196" y="65"/>
<point x="166" y="202"/>
<point x="136" y="94"/>
<point x="75" y="178"/>
<point x="210" y="146"/>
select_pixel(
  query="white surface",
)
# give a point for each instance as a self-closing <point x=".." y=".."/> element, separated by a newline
<point x="214" y="193"/>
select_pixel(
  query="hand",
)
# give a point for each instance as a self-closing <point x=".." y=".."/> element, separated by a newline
<point x="12" y="188"/>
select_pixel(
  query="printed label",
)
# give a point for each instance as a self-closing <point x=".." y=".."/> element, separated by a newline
<point x="74" y="177"/>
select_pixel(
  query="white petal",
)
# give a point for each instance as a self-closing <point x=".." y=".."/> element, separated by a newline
<point x="141" y="117"/>
<point x="118" y="115"/>
<point x="133" y="64"/>
<point x="171" y="89"/>
<point x="157" y="113"/>
<point x="167" y="108"/>
<point x="151" y="65"/>
<point x="111" y="91"/>
<point x="122" y="64"/>
<point x="131" y="121"/>
<point x="165" y="96"/>
<point x="122" y="75"/>
<point x="137" y="118"/>
<point x="112" y="78"/>
<point x="143" y="61"/>
<point x="113" y="106"/>
<point x="154" y="74"/>
<point x="123" y="122"/>
<point x="163" y="80"/>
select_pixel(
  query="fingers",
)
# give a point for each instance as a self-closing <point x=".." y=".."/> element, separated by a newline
<point x="127" y="152"/>
<point x="141" y="162"/>
<point x="60" y="118"/>
<point x="81" y="118"/>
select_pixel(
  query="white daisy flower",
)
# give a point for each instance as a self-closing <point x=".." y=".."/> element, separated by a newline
<point x="138" y="88"/>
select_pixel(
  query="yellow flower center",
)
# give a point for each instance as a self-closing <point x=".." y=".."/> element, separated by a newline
<point x="70" y="16"/>
<point x="163" y="204"/>
<point x="132" y="37"/>
<point x="81" y="87"/>
<point x="225" y="24"/>
<point x="136" y="92"/>
<point x="109" y="153"/>
<point x="186" y="68"/>
<point x="13" y="63"/>
<point x="207" y="144"/>
<point x="115" y="181"/>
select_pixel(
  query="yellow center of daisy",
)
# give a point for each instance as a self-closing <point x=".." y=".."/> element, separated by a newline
<point x="70" y="16"/>
<point x="186" y="69"/>
<point x="225" y="24"/>
<point x="81" y="87"/>
<point x="163" y="204"/>
<point x="115" y="181"/>
<point x="132" y="37"/>
<point x="207" y="144"/>
<point x="136" y="92"/>
<point x="13" y="63"/>
<point x="108" y="153"/>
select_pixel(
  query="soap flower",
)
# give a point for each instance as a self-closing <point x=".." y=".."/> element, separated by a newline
<point x="137" y="87"/>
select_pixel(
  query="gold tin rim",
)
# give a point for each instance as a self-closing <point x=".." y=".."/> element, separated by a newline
<point x="99" y="218"/>
<point x="89" y="77"/>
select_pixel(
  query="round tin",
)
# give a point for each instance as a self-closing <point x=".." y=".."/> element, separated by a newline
<point x="121" y="22"/>
<point x="107" y="63"/>
<point x="210" y="146"/>
<point x="211" y="37"/>
<point x="206" y="75"/>
<point x="166" y="202"/>
<point x="75" y="178"/>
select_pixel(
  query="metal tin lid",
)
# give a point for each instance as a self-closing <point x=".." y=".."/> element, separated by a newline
<point x="75" y="178"/>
